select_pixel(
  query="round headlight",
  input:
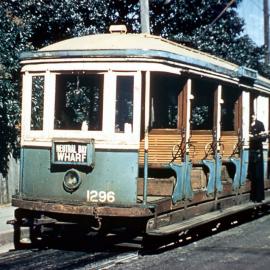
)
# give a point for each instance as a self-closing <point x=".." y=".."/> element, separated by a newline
<point x="71" y="181"/>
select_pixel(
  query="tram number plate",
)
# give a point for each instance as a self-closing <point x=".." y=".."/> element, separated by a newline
<point x="100" y="196"/>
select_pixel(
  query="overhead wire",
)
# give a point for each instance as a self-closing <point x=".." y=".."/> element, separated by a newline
<point x="219" y="15"/>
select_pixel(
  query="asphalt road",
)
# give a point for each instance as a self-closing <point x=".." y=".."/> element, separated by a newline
<point x="243" y="247"/>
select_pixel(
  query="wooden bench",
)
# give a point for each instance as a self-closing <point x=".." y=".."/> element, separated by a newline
<point x="161" y="146"/>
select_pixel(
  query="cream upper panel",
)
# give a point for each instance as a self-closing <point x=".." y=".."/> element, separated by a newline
<point x="142" y="48"/>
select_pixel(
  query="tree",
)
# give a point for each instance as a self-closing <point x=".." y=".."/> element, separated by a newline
<point x="188" y="21"/>
<point x="11" y="43"/>
<point x="32" y="24"/>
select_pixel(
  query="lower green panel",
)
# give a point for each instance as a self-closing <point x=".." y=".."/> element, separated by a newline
<point x="112" y="180"/>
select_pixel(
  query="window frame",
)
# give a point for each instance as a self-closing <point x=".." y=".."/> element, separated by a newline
<point x="215" y="85"/>
<point x="27" y="106"/>
<point x="109" y="102"/>
<point x="105" y="138"/>
<point x="181" y="99"/>
<point x="79" y="73"/>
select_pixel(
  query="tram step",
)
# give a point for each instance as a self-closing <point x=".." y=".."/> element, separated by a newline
<point x="200" y="220"/>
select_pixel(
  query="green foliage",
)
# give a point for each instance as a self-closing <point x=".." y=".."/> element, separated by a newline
<point x="190" y="22"/>
<point x="37" y="106"/>
<point x="32" y="24"/>
<point x="12" y="42"/>
<point x="51" y="21"/>
<point x="83" y="98"/>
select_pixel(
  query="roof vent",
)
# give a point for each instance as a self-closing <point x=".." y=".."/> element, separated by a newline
<point x="118" y="29"/>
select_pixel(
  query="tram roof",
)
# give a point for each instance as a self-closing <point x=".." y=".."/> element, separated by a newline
<point x="122" y="45"/>
<point x="125" y="44"/>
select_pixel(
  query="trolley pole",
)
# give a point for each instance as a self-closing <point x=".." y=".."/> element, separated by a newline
<point x="266" y="30"/>
<point x="145" y="21"/>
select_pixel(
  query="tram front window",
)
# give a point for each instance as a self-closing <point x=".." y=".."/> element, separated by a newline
<point x="37" y="103"/>
<point x="78" y="101"/>
<point x="124" y="104"/>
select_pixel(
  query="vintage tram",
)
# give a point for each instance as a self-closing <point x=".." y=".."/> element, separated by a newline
<point x="133" y="131"/>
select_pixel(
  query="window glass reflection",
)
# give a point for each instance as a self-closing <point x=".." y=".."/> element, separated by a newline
<point x="37" y="103"/>
<point x="124" y="104"/>
<point x="78" y="101"/>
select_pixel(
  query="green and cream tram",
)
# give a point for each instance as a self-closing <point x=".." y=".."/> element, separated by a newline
<point x="132" y="130"/>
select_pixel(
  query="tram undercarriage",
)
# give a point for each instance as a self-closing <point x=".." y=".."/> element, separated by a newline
<point x="158" y="218"/>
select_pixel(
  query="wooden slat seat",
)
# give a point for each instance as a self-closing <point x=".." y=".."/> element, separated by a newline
<point x="228" y="141"/>
<point x="161" y="146"/>
<point x="198" y="142"/>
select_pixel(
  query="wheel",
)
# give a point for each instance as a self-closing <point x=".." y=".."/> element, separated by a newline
<point x="17" y="238"/>
<point x="25" y="234"/>
<point x="36" y="236"/>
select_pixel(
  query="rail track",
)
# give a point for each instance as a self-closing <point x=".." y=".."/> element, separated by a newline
<point x="63" y="259"/>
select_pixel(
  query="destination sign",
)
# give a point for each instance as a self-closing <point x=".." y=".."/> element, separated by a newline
<point x="71" y="153"/>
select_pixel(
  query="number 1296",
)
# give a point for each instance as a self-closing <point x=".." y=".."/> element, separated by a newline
<point x="100" y="196"/>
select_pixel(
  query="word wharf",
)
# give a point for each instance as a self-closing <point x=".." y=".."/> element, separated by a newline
<point x="71" y="153"/>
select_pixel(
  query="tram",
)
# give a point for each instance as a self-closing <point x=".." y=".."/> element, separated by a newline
<point x="134" y="131"/>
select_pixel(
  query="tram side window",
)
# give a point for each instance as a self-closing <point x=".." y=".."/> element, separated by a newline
<point x="230" y="109"/>
<point x="202" y="105"/>
<point x="78" y="101"/>
<point x="165" y="89"/>
<point x="37" y="103"/>
<point x="124" y="104"/>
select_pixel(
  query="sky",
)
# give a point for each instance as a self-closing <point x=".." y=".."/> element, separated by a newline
<point x="252" y="12"/>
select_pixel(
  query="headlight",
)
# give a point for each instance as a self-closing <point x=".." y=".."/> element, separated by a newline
<point x="71" y="181"/>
